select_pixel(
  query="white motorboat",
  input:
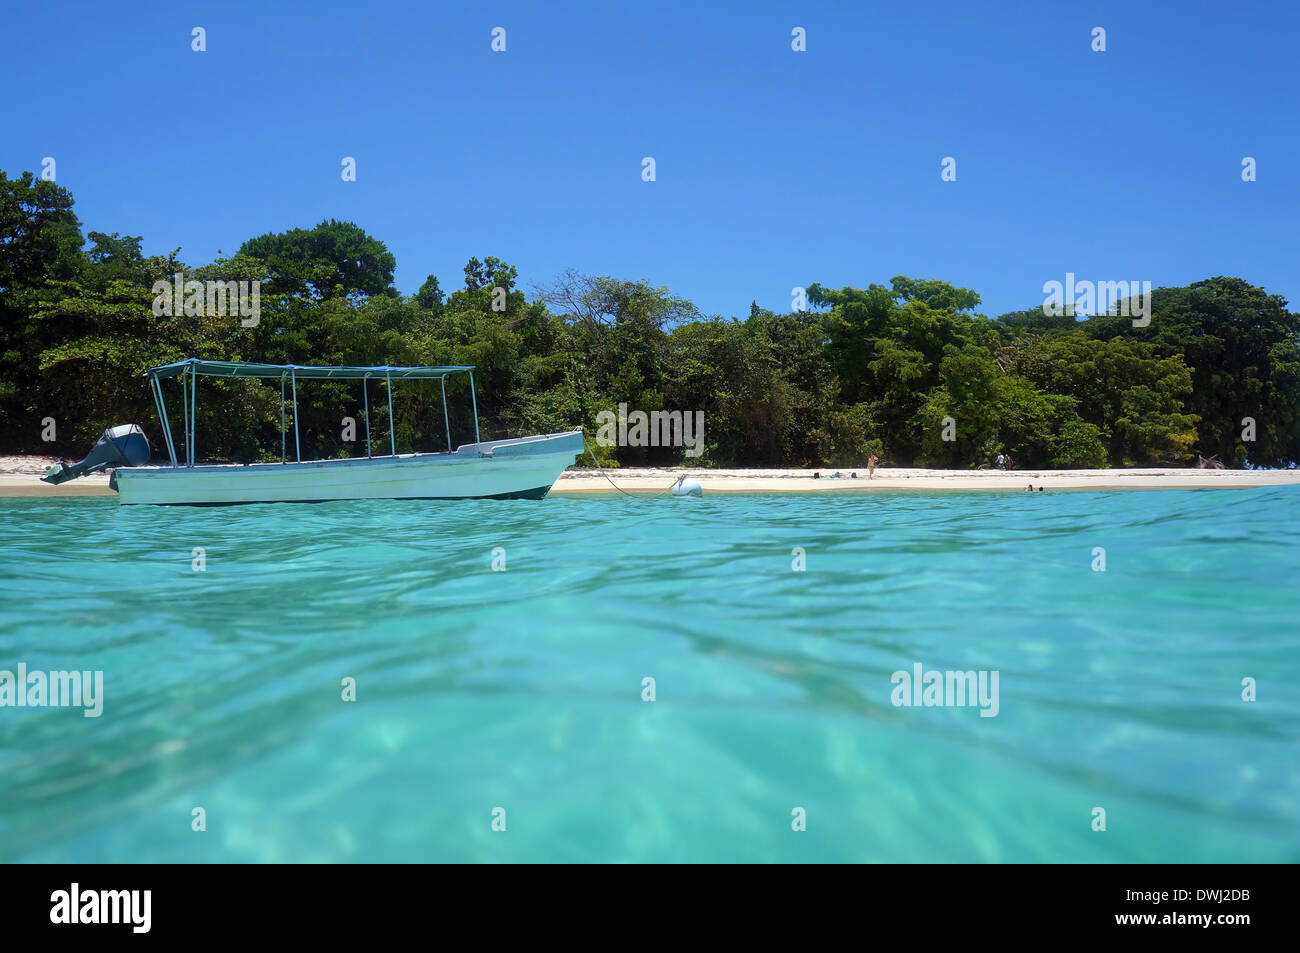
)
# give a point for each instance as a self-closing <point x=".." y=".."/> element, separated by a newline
<point x="525" y="467"/>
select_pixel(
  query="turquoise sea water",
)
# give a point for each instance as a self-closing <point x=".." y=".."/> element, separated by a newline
<point x="522" y="689"/>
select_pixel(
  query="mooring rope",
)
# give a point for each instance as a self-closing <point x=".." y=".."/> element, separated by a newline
<point x="634" y="496"/>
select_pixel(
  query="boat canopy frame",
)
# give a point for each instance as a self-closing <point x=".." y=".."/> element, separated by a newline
<point x="190" y="370"/>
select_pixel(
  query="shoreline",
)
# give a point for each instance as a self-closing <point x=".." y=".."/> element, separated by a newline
<point x="20" y="478"/>
<point x="655" y="480"/>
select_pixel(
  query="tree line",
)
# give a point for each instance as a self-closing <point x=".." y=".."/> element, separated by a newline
<point x="908" y="370"/>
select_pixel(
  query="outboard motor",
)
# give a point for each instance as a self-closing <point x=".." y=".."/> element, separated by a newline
<point x="122" y="446"/>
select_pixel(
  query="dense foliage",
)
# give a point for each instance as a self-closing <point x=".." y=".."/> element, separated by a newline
<point x="908" y="370"/>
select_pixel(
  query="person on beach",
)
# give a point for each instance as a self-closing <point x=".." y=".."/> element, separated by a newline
<point x="1001" y="460"/>
<point x="871" y="466"/>
<point x="1008" y="463"/>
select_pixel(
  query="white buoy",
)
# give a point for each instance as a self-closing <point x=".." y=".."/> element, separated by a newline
<point x="685" y="487"/>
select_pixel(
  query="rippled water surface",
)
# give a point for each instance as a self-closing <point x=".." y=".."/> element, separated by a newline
<point x="522" y="689"/>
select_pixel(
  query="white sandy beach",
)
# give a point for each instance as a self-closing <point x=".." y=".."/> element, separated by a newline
<point x="649" y="480"/>
<point x="20" y="477"/>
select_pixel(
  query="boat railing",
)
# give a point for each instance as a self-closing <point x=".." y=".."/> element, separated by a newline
<point x="190" y="370"/>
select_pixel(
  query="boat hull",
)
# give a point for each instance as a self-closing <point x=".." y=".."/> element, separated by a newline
<point x="502" y="469"/>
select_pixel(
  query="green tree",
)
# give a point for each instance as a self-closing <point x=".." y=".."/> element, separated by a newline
<point x="334" y="259"/>
<point x="40" y="241"/>
<point x="429" y="296"/>
<point x="1134" y="396"/>
<point x="1243" y="348"/>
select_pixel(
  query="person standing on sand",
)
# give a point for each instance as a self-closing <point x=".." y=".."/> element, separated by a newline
<point x="1001" y="460"/>
<point x="871" y="466"/>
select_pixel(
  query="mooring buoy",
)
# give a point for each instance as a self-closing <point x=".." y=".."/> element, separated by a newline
<point x="685" y="487"/>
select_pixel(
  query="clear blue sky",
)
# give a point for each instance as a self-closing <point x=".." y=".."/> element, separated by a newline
<point x="775" y="168"/>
